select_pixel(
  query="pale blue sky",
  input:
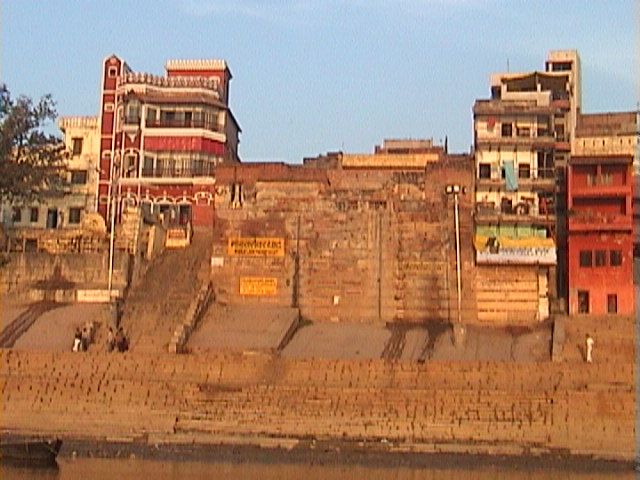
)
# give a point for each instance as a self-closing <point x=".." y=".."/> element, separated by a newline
<point x="312" y="76"/>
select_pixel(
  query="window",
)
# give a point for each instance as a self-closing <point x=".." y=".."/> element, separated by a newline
<point x="601" y="258"/>
<point x="615" y="258"/>
<point x="78" y="177"/>
<point x="545" y="165"/>
<point x="585" y="258"/>
<point x="16" y="215"/>
<point x="132" y="114"/>
<point x="561" y="66"/>
<point x="34" y="215"/>
<point x="168" y="115"/>
<point x="112" y="71"/>
<point x="130" y="167"/>
<point x="612" y="303"/>
<point x="198" y="167"/>
<point x="77" y="146"/>
<point x="485" y="170"/>
<point x="74" y="215"/>
<point x="524" y="170"/>
<point x="583" y="301"/>
<point x="543" y="124"/>
<point x="160" y="168"/>
<point x="507" y="130"/>
<point x="151" y="116"/>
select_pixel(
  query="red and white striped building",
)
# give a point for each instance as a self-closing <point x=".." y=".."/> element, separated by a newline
<point x="161" y="138"/>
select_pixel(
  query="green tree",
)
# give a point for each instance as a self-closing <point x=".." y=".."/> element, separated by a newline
<point x="32" y="161"/>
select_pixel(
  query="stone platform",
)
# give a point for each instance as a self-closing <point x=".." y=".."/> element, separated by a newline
<point x="244" y="328"/>
<point x="54" y="325"/>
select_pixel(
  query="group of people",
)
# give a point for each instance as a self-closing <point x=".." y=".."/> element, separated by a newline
<point x="117" y="341"/>
<point x="83" y="337"/>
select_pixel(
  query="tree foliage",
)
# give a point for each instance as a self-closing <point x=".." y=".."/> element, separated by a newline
<point x="32" y="162"/>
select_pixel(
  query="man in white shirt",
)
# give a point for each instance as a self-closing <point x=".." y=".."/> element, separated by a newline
<point x="590" y="343"/>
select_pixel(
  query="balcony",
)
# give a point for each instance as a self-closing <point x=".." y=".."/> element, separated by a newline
<point x="132" y="120"/>
<point x="596" y="221"/>
<point x="522" y="213"/>
<point x="547" y="141"/>
<point x="184" y="123"/>
<point x="204" y="171"/>
<point x="599" y="190"/>
<point x="544" y="181"/>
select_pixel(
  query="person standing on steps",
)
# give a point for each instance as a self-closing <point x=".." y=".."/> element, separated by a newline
<point x="77" y="341"/>
<point x="111" y="341"/>
<point x="590" y="342"/>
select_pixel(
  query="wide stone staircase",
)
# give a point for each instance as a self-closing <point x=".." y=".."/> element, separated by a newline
<point x="479" y="407"/>
<point x="159" y="303"/>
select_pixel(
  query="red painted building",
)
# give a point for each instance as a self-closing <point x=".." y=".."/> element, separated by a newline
<point x="600" y="193"/>
<point x="163" y="136"/>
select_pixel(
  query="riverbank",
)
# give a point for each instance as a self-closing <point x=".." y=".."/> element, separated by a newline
<point x="330" y="452"/>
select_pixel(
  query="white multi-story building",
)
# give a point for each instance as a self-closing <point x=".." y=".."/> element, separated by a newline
<point x="523" y="136"/>
<point x="68" y="209"/>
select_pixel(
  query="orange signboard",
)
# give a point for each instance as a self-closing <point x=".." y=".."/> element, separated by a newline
<point x="255" y="247"/>
<point x="258" y="286"/>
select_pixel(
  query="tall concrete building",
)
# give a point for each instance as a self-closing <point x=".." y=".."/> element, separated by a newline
<point x="522" y="139"/>
<point x="162" y="137"/>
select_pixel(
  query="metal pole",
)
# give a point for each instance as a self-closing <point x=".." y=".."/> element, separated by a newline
<point x="111" y="241"/>
<point x="114" y="186"/>
<point x="458" y="279"/>
<point x="379" y="266"/>
<point x="296" y="266"/>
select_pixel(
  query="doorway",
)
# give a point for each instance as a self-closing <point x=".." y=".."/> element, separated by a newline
<point x="612" y="303"/>
<point x="52" y="218"/>
<point x="184" y="214"/>
<point x="583" y="301"/>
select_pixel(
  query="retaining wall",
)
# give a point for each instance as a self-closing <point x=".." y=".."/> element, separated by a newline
<point x="495" y="407"/>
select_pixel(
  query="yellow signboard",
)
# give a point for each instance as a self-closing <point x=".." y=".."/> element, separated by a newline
<point x="256" y="247"/>
<point x="422" y="266"/>
<point x="258" y="285"/>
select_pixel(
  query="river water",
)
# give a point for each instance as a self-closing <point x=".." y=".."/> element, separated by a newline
<point x="122" y="469"/>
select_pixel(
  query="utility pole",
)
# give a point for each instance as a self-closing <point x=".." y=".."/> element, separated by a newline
<point x="296" y="268"/>
<point x="458" y="328"/>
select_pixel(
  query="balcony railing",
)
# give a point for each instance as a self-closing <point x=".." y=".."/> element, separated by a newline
<point x="521" y="212"/>
<point x="542" y="178"/>
<point x="132" y="120"/>
<point x="204" y="171"/>
<point x="183" y="123"/>
<point x="530" y="139"/>
<point x="582" y="221"/>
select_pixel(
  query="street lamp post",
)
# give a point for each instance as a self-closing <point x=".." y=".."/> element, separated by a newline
<point x="458" y="328"/>
<point x="114" y="201"/>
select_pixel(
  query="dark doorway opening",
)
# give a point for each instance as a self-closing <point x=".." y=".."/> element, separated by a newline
<point x="52" y="218"/>
<point x="583" y="301"/>
<point x="612" y="303"/>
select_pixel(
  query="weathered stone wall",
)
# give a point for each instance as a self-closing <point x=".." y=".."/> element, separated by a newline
<point x="27" y="271"/>
<point x="434" y="407"/>
<point x="512" y="294"/>
<point x="372" y="245"/>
